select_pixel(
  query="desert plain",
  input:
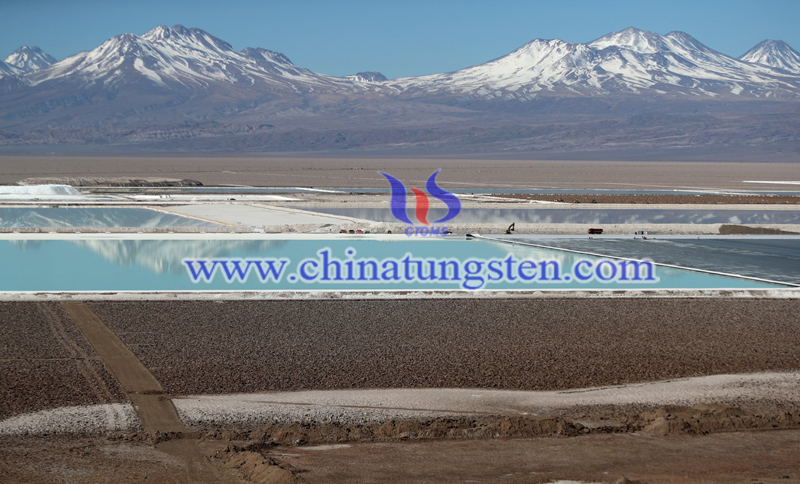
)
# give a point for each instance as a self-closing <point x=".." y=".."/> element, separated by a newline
<point x="661" y="387"/>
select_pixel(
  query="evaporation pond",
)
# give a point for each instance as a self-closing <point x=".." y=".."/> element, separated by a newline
<point x="79" y="217"/>
<point x="582" y="215"/>
<point x="146" y="263"/>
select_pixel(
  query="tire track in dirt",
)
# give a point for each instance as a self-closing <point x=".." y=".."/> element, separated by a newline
<point x="152" y="404"/>
<point x="81" y="360"/>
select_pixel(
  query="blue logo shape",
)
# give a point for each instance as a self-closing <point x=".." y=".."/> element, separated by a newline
<point x="398" y="203"/>
<point x="449" y="199"/>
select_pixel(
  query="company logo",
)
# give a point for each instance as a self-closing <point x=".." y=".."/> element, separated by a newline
<point x="399" y="206"/>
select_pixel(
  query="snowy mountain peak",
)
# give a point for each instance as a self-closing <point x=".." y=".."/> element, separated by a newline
<point x="367" y="76"/>
<point x="538" y="47"/>
<point x="258" y="54"/>
<point x="122" y="44"/>
<point x="774" y="53"/>
<point x="186" y="60"/>
<point x="163" y="32"/>
<point x="631" y="61"/>
<point x="190" y="37"/>
<point x="29" y="58"/>
<point x="9" y="69"/>
<point x="191" y="62"/>
<point x="637" y="40"/>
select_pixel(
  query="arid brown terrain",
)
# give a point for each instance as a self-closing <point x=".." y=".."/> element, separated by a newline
<point x="190" y="347"/>
<point x="561" y="343"/>
<point x="456" y="173"/>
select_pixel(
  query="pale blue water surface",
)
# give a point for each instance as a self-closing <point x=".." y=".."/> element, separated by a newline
<point x="94" y="264"/>
<point x="78" y="217"/>
<point x="581" y="215"/>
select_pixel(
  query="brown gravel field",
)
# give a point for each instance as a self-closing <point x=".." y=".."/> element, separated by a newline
<point x="243" y="346"/>
<point x="729" y="458"/>
<point x="195" y="347"/>
<point x="45" y="362"/>
<point x="363" y="172"/>
<point x="719" y="458"/>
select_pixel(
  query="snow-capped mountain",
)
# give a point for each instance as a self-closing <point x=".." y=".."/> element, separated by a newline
<point x="30" y="58"/>
<point x="774" y="53"/>
<point x="367" y="76"/>
<point x="631" y="61"/>
<point x="7" y="69"/>
<point x="178" y="88"/>
<point x="188" y="61"/>
<point x="179" y="59"/>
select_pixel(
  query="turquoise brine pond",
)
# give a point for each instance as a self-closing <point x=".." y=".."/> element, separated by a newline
<point x="81" y="217"/>
<point x="108" y="264"/>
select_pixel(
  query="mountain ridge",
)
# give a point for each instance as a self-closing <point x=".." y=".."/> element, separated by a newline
<point x="774" y="53"/>
<point x="181" y="88"/>
<point x="29" y="58"/>
<point x="628" y="61"/>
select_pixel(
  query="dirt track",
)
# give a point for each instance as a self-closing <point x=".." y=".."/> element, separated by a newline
<point x="154" y="408"/>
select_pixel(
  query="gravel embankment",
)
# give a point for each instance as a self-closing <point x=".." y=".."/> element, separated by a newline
<point x="207" y="347"/>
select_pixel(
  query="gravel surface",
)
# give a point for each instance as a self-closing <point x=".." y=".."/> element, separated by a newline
<point x="208" y="347"/>
<point x="83" y="420"/>
<point x="39" y="331"/>
<point x="45" y="362"/>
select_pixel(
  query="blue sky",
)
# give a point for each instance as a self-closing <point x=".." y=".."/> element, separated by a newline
<point x="397" y="38"/>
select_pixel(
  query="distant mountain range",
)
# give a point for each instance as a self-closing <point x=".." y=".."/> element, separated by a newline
<point x="630" y="61"/>
<point x="182" y="89"/>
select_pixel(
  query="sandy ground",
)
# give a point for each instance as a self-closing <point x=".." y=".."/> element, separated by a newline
<point x="718" y="458"/>
<point x="479" y="345"/>
<point x="727" y="458"/>
<point x="456" y="173"/>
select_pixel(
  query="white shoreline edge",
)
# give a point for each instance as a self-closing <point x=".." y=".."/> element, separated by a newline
<point x="267" y="295"/>
<point x="386" y="404"/>
<point x="377" y="405"/>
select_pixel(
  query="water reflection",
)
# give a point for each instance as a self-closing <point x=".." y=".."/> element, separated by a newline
<point x="162" y="256"/>
<point x="90" y="264"/>
<point x="586" y="216"/>
<point x="46" y="217"/>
